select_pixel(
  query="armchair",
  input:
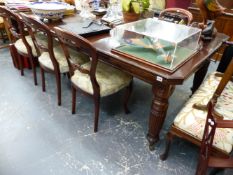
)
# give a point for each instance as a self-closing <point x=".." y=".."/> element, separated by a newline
<point x="190" y="121"/>
<point x="220" y="115"/>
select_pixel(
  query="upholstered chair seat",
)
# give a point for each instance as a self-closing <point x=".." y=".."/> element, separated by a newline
<point x="76" y="57"/>
<point x="192" y="121"/>
<point x="20" y="46"/>
<point x="1" y="20"/>
<point x="110" y="80"/>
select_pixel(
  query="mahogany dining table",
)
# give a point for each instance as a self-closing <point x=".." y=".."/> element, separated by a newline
<point x="163" y="82"/>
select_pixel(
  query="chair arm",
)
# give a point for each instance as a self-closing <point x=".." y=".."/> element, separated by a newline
<point x="220" y="162"/>
<point x="224" y="123"/>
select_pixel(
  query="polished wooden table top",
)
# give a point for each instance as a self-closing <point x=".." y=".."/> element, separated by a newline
<point x="104" y="47"/>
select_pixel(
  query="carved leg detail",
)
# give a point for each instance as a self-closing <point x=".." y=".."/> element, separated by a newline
<point x="158" y="111"/>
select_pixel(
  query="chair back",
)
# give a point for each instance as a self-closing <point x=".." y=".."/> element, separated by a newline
<point x="85" y="47"/>
<point x="34" y="27"/>
<point x="177" y="15"/>
<point x="214" y="121"/>
<point x="13" y="23"/>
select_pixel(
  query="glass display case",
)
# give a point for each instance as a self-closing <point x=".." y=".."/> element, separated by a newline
<point x="156" y="42"/>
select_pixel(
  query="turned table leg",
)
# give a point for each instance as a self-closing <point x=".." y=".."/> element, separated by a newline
<point x="158" y="111"/>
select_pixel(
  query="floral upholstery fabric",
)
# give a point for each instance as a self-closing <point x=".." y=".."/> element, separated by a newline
<point x="224" y="104"/>
<point x="76" y="57"/>
<point x="109" y="79"/>
<point x="192" y="121"/>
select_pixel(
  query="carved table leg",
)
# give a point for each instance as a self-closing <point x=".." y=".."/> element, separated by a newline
<point x="199" y="76"/>
<point x="158" y="112"/>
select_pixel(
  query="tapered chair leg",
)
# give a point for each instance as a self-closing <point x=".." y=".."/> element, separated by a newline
<point x="128" y="93"/>
<point x="42" y="78"/>
<point x="34" y="75"/>
<point x="97" y="108"/>
<point x="33" y="64"/>
<point x="21" y="65"/>
<point x="58" y="82"/>
<point x="14" y="55"/>
<point x="169" y="138"/>
<point x="74" y="91"/>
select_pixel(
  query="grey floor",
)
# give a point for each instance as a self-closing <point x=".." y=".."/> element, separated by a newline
<point x="38" y="137"/>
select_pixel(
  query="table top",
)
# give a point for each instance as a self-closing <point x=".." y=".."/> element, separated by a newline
<point x="149" y="73"/>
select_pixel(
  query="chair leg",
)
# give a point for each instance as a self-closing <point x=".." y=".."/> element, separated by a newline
<point x="58" y="82"/>
<point x="21" y="64"/>
<point x="128" y="93"/>
<point x="97" y="108"/>
<point x="14" y="56"/>
<point x="169" y="139"/>
<point x="42" y="78"/>
<point x="33" y="65"/>
<point x="73" y="99"/>
<point x="68" y="75"/>
<point x="34" y="75"/>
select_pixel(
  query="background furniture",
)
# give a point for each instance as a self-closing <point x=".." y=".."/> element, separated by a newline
<point x="182" y="16"/>
<point x="223" y="23"/>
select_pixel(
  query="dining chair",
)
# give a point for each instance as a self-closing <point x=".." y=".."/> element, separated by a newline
<point x="220" y="115"/>
<point x="176" y="15"/>
<point x="190" y="121"/>
<point x="21" y="43"/>
<point x="93" y="78"/>
<point x="50" y="56"/>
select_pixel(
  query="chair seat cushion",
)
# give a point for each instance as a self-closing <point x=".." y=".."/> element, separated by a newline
<point x="76" y="57"/>
<point x="224" y="105"/>
<point x="192" y="121"/>
<point x="42" y="39"/>
<point x="20" y="46"/>
<point x="109" y="79"/>
<point x="1" y="20"/>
